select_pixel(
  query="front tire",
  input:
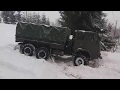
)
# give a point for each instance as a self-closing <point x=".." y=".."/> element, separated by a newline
<point x="80" y="60"/>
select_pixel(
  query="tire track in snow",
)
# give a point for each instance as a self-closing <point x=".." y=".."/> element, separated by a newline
<point x="16" y="69"/>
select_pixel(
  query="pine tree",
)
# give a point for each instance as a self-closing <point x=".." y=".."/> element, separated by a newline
<point x="18" y="16"/>
<point x="23" y="17"/>
<point x="12" y="17"/>
<point x="5" y="16"/>
<point x="87" y="20"/>
<point x="43" y="19"/>
<point x="47" y="21"/>
<point x="38" y="19"/>
<point x="8" y="16"/>
<point x="33" y="18"/>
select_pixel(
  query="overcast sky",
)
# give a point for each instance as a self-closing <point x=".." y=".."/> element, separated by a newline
<point x="53" y="15"/>
<point x="112" y="16"/>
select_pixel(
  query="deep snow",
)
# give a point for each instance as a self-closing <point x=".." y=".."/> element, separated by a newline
<point x="14" y="65"/>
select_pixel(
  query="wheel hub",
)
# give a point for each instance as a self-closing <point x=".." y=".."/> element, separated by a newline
<point x="79" y="61"/>
<point x="27" y="51"/>
<point x="42" y="54"/>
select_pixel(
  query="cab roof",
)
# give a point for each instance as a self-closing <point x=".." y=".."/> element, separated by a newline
<point x="84" y="31"/>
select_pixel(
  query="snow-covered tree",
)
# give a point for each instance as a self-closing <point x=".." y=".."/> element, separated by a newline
<point x="87" y="20"/>
<point x="43" y="19"/>
<point x="27" y="16"/>
<point x="5" y="16"/>
<point x="8" y="16"/>
<point x="47" y="21"/>
<point x="18" y="15"/>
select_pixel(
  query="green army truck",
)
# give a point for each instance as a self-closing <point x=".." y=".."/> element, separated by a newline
<point x="44" y="41"/>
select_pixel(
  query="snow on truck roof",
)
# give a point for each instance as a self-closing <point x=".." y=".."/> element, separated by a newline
<point x="84" y="31"/>
<point x="34" y="31"/>
<point x="43" y="24"/>
<point x="56" y="27"/>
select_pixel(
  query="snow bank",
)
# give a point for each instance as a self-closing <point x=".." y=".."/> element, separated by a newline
<point x="14" y="65"/>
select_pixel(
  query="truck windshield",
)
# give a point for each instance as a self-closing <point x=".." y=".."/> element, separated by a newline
<point x="87" y="36"/>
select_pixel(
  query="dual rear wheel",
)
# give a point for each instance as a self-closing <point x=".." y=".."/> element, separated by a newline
<point x="29" y="50"/>
<point x="42" y="53"/>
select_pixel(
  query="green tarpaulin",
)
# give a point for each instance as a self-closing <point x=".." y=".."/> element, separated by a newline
<point x="42" y="33"/>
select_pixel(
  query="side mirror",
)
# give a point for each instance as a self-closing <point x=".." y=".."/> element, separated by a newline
<point x="71" y="37"/>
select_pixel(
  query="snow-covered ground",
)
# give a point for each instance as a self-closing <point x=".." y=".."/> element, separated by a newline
<point x="14" y="65"/>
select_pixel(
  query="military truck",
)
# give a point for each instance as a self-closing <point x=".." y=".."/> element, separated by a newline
<point x="44" y="41"/>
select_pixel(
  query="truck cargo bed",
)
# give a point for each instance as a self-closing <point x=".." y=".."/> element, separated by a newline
<point x="54" y="36"/>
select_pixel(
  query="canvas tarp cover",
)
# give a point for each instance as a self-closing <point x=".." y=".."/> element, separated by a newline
<point x="42" y="33"/>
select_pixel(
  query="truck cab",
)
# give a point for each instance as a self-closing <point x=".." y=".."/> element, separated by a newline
<point x="85" y="46"/>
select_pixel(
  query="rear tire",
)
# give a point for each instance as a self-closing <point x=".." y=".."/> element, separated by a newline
<point x="42" y="53"/>
<point x="28" y="49"/>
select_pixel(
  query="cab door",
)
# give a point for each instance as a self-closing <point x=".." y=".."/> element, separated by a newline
<point x="79" y="41"/>
<point x="92" y="44"/>
<point x="87" y="41"/>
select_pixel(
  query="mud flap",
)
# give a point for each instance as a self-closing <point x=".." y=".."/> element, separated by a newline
<point x="17" y="47"/>
<point x="100" y="57"/>
<point x="86" y="62"/>
<point x="52" y="58"/>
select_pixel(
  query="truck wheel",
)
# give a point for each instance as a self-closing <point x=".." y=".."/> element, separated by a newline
<point x="28" y="49"/>
<point x="42" y="53"/>
<point x="80" y="60"/>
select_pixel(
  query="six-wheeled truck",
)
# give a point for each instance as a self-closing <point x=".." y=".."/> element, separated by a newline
<point x="44" y="41"/>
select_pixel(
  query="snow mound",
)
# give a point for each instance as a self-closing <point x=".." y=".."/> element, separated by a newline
<point x="14" y="65"/>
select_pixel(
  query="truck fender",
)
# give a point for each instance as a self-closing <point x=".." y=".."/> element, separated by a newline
<point x="81" y="50"/>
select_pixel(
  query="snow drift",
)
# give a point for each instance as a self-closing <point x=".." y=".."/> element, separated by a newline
<point x="14" y="65"/>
